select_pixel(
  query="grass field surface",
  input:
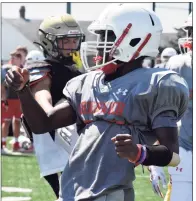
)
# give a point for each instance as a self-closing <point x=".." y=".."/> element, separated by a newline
<point x="23" y="172"/>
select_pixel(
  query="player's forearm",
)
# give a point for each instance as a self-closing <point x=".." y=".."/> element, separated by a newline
<point x="38" y="120"/>
<point x="175" y="157"/>
<point x="160" y="155"/>
<point x="165" y="153"/>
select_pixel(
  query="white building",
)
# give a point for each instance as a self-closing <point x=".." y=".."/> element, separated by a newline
<point x="11" y="38"/>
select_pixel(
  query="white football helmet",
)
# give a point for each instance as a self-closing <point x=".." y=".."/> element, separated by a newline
<point x="167" y="53"/>
<point x="137" y="33"/>
<point x="34" y="56"/>
<point x="185" y="44"/>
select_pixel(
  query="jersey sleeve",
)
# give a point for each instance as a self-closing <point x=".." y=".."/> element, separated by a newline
<point x="170" y="101"/>
<point x="66" y="91"/>
<point x="73" y="90"/>
<point x="165" y="119"/>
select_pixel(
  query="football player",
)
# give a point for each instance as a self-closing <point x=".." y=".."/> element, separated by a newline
<point x="166" y="54"/>
<point x="60" y="38"/>
<point x="180" y="185"/>
<point x="181" y="176"/>
<point x="120" y="108"/>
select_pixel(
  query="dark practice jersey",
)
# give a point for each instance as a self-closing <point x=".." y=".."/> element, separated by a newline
<point x="59" y="72"/>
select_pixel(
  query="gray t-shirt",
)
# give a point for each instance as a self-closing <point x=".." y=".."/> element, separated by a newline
<point x="3" y="74"/>
<point x="182" y="64"/>
<point x="4" y="70"/>
<point x="129" y="104"/>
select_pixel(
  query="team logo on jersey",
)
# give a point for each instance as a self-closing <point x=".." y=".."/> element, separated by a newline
<point x="124" y="92"/>
<point x="110" y="108"/>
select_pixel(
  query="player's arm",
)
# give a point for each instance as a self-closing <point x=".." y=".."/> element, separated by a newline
<point x="38" y="120"/>
<point x="40" y="89"/>
<point x="40" y="84"/>
<point x="169" y="106"/>
<point x="166" y="153"/>
<point x="41" y="92"/>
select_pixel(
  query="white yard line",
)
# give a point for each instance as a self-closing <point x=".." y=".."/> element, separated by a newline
<point x="15" y="198"/>
<point x="16" y="190"/>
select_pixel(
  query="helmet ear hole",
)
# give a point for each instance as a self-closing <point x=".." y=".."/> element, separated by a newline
<point x="111" y="34"/>
<point x="134" y="42"/>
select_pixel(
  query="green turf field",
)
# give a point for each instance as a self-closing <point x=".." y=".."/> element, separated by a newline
<point x="23" y="172"/>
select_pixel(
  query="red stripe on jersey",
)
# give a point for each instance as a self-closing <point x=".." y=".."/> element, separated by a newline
<point x="42" y="78"/>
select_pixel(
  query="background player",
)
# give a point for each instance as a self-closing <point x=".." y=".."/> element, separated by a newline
<point x="48" y="76"/>
<point x="180" y="185"/>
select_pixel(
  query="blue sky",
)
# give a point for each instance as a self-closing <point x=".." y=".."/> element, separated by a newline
<point x="171" y="14"/>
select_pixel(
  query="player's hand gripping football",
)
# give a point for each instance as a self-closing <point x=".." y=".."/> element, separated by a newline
<point x="124" y="146"/>
<point x="156" y="175"/>
<point x="16" y="78"/>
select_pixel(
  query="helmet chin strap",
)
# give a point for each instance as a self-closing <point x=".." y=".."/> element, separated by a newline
<point x="110" y="68"/>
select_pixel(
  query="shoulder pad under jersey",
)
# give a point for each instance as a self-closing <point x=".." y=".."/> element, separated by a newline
<point x="38" y="70"/>
<point x="75" y="84"/>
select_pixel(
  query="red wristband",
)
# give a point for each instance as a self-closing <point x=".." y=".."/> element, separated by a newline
<point x="139" y="146"/>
